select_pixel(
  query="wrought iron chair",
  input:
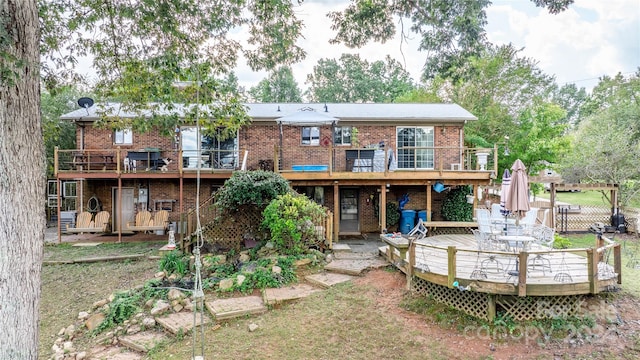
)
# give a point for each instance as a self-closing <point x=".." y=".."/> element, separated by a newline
<point x="545" y="236"/>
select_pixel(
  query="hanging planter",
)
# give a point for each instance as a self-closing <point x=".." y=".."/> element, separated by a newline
<point x="469" y="199"/>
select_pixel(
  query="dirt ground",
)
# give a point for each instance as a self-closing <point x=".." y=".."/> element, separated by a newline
<point x="608" y="340"/>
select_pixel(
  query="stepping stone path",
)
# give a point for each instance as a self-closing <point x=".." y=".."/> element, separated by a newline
<point x="279" y="295"/>
<point x="181" y="322"/>
<point x="328" y="280"/>
<point x="143" y="341"/>
<point x="234" y="307"/>
<point x="343" y="268"/>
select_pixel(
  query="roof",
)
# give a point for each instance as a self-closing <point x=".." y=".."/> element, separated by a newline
<point x="344" y="112"/>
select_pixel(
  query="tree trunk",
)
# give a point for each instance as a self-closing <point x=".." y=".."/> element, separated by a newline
<point x="22" y="179"/>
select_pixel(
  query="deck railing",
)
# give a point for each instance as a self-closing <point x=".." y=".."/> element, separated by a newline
<point x="347" y="159"/>
<point x="313" y="158"/>
<point x="573" y="271"/>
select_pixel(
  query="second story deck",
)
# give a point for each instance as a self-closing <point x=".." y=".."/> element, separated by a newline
<point x="420" y="165"/>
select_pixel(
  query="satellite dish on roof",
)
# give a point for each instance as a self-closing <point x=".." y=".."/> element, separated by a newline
<point x="85" y="102"/>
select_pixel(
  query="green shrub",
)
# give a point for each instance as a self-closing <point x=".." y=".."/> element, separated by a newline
<point x="121" y="309"/>
<point x="250" y="188"/>
<point x="175" y="262"/>
<point x="289" y="219"/>
<point x="455" y="206"/>
<point x="393" y="214"/>
<point x="560" y="242"/>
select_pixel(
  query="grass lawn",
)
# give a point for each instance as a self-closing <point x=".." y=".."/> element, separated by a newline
<point x="630" y="251"/>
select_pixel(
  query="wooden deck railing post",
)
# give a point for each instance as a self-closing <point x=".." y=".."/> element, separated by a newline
<point x="617" y="262"/>
<point x="523" y="257"/>
<point x="55" y="161"/>
<point x="592" y="270"/>
<point x="491" y="307"/>
<point x="451" y="261"/>
<point x="412" y="263"/>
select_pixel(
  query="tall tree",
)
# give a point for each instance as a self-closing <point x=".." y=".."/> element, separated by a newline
<point x="141" y="49"/>
<point x="22" y="180"/>
<point x="570" y="98"/>
<point x="611" y="137"/>
<point x="450" y="31"/>
<point x="280" y="86"/>
<point x="354" y="80"/>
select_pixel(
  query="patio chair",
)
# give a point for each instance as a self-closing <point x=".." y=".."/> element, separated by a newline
<point x="83" y="222"/>
<point x="160" y="220"/>
<point x="141" y="223"/>
<point x="483" y="216"/>
<point x="496" y="213"/>
<point x="419" y="231"/>
<point x="101" y="222"/>
<point x="545" y="236"/>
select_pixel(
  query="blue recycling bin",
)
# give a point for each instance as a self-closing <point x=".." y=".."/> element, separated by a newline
<point x="422" y="214"/>
<point x="407" y="221"/>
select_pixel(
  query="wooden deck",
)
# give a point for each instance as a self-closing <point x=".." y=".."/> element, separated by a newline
<point x="454" y="259"/>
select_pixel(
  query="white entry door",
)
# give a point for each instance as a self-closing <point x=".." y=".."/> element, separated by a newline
<point x="127" y="212"/>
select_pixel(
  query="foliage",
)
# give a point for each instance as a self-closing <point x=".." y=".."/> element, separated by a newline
<point x="393" y="214"/>
<point x="290" y="219"/>
<point x="121" y="309"/>
<point x="174" y="262"/>
<point x="455" y="206"/>
<point x="149" y="55"/>
<point x="250" y="188"/>
<point x="611" y="133"/>
<point x="263" y="277"/>
<point x="279" y="87"/>
<point x="60" y="133"/>
<point x="450" y="31"/>
<point x="352" y="80"/>
<point x="561" y="242"/>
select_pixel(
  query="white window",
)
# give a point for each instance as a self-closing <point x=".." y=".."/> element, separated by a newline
<point x="123" y="137"/>
<point x="310" y="135"/>
<point x="342" y="135"/>
<point x="415" y="147"/>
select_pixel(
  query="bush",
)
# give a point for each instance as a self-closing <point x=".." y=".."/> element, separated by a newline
<point x="250" y="188"/>
<point x="175" y="262"/>
<point x="289" y="218"/>
<point x="455" y="206"/>
<point x="393" y="214"/>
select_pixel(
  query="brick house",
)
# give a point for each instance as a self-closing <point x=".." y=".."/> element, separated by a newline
<point x="356" y="156"/>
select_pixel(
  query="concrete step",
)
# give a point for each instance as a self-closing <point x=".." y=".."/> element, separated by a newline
<point x="143" y="341"/>
<point x="280" y="295"/>
<point x="181" y="322"/>
<point x="341" y="248"/>
<point x="235" y="307"/>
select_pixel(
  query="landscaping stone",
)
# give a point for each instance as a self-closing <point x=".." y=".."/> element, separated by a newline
<point x="175" y="294"/>
<point x="71" y="329"/>
<point x="143" y="341"/>
<point x="181" y="322"/>
<point x="83" y="315"/>
<point x="354" y="267"/>
<point x="100" y="303"/>
<point x="226" y="284"/>
<point x="94" y="321"/>
<point x="328" y="279"/>
<point x="160" y="307"/>
<point x="240" y="279"/>
<point x="148" y="322"/>
<point x="253" y="327"/>
<point x="235" y="307"/>
<point x="276" y="269"/>
<point x="279" y="295"/>
<point x="114" y="353"/>
<point x="302" y="262"/>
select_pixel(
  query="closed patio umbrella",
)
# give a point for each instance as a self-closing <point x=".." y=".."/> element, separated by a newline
<point x="518" y="195"/>
<point x="506" y="181"/>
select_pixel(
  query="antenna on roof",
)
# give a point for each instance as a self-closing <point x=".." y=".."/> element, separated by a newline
<point x="85" y="102"/>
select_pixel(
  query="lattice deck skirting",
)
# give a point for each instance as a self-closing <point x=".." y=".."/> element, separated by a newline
<point x="484" y="306"/>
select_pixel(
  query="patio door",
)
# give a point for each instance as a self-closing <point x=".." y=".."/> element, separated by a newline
<point x="128" y="207"/>
<point x="349" y="215"/>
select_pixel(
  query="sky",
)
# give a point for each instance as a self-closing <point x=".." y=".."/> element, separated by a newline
<point x="591" y="39"/>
